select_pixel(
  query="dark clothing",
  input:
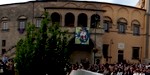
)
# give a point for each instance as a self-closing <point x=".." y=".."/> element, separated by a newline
<point x="86" y="64"/>
<point x="147" y="73"/>
<point x="2" y="69"/>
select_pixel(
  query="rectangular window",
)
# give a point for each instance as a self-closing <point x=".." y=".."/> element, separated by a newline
<point x="106" y="26"/>
<point x="135" y="52"/>
<point x="105" y="50"/>
<point x="38" y="22"/>
<point x="136" y="30"/>
<point x="5" y="26"/>
<point x="3" y="43"/>
<point x="22" y="25"/>
<point x="3" y="51"/>
<point x="121" y="28"/>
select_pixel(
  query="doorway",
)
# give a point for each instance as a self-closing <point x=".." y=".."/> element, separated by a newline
<point x="120" y="56"/>
<point x="79" y="52"/>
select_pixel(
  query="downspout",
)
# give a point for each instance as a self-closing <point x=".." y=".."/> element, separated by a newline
<point x="147" y="36"/>
<point x="32" y="12"/>
<point x="147" y="30"/>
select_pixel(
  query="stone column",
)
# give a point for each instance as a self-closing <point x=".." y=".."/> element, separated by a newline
<point x="76" y="20"/>
<point x="88" y="21"/>
<point x="62" y="20"/>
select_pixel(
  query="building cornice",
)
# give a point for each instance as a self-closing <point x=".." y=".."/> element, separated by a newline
<point x="75" y="2"/>
<point x="74" y="8"/>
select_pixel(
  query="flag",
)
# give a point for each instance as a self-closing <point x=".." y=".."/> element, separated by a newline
<point x="82" y="35"/>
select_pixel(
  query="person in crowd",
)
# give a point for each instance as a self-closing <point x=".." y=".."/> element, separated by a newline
<point x="86" y="63"/>
<point x="114" y="69"/>
<point x="5" y="58"/>
<point x="10" y="67"/>
<point x="2" y="68"/>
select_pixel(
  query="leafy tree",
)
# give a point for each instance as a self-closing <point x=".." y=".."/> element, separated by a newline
<point x="42" y="50"/>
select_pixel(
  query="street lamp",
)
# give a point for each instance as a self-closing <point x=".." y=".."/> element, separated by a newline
<point x="95" y="49"/>
<point x="111" y="43"/>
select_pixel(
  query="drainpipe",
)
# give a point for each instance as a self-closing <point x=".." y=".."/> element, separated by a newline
<point x="147" y="29"/>
<point x="147" y="36"/>
<point x="32" y="12"/>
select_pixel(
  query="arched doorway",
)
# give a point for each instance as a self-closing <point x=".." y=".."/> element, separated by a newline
<point x="80" y="51"/>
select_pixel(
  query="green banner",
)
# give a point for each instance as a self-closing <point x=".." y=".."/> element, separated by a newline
<point x="82" y="35"/>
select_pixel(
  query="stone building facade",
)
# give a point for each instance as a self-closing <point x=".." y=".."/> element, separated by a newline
<point x="120" y="32"/>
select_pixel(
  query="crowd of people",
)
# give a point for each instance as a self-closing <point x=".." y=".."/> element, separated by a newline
<point x="122" y="68"/>
<point x="7" y="66"/>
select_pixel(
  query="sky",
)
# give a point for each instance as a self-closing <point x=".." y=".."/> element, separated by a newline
<point x="123" y="2"/>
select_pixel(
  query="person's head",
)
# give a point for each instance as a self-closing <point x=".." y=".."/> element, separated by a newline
<point x="10" y="60"/>
<point x="144" y="70"/>
<point x="86" y="59"/>
<point x="80" y="66"/>
<point x="1" y="61"/>
<point x="137" y="70"/>
<point x="4" y="55"/>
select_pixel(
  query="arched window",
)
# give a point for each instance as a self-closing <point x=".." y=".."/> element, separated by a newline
<point x="122" y="25"/>
<point x="69" y="20"/>
<point x="4" y="24"/>
<point x="107" y="23"/>
<point x="95" y="19"/>
<point x="82" y="20"/>
<point x="136" y="27"/>
<point x="22" y="24"/>
<point x="55" y="17"/>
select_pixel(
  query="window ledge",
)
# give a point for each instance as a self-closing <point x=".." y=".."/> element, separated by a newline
<point x="135" y="58"/>
<point x="136" y="34"/>
<point x="5" y="30"/>
<point x="21" y="31"/>
<point x="122" y="32"/>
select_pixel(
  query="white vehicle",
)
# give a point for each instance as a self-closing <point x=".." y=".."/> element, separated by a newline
<point x="83" y="72"/>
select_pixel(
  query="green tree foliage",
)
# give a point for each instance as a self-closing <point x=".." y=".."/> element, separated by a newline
<point x="42" y="50"/>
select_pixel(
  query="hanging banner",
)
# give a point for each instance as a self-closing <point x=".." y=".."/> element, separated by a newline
<point x="82" y="35"/>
